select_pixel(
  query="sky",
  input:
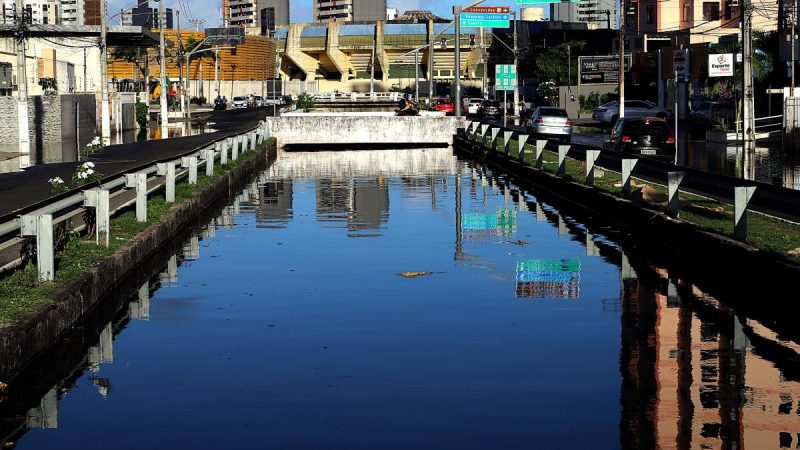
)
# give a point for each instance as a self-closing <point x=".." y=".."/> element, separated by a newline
<point x="300" y="9"/>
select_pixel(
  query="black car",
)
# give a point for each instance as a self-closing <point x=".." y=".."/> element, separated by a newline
<point x="647" y="136"/>
<point x="489" y="108"/>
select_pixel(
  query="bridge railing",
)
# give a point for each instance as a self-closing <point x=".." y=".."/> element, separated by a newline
<point x="743" y="195"/>
<point x="357" y="96"/>
<point x="39" y="223"/>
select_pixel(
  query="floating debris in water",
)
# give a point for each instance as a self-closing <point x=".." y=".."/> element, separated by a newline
<point x="414" y="274"/>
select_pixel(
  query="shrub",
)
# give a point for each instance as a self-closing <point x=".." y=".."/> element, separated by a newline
<point x="198" y="101"/>
<point x="85" y="174"/>
<point x="305" y="102"/>
<point x="142" y="114"/>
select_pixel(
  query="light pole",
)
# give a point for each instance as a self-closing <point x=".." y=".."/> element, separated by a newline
<point x="516" y="65"/>
<point x="105" y="113"/>
<point x="457" y="16"/>
<point x="163" y="68"/>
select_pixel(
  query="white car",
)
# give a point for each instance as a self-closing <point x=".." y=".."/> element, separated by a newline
<point x="239" y="102"/>
<point x="609" y="112"/>
<point x="472" y="105"/>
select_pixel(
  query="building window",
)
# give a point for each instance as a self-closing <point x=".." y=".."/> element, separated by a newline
<point x="710" y="11"/>
<point x="650" y="15"/>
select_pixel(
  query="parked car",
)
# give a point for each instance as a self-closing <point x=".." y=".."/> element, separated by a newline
<point x="550" y="122"/>
<point x="258" y="101"/>
<point x="472" y="105"/>
<point x="490" y="108"/>
<point x="646" y="136"/>
<point x="446" y="105"/>
<point x="710" y="113"/>
<point x="239" y="102"/>
<point x="608" y="113"/>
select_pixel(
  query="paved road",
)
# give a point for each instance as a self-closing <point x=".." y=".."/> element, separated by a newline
<point x="20" y="190"/>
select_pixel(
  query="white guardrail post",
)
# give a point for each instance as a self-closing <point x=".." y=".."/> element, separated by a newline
<point x="562" y="159"/>
<point x="674" y="180"/>
<point x="591" y="159"/>
<point x="495" y="132"/>
<point x="139" y="182"/>
<point x="99" y="199"/>
<point x="522" y="140"/>
<point x="507" y="135"/>
<point x="210" y="155"/>
<point x="223" y="156"/>
<point x="540" y="143"/>
<point x="42" y="227"/>
<point x="253" y="137"/>
<point x="235" y="149"/>
<point x="628" y="164"/>
<point x="741" y="199"/>
<point x="167" y="170"/>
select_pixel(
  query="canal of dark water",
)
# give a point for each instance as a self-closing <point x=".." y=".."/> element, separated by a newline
<point x="410" y="299"/>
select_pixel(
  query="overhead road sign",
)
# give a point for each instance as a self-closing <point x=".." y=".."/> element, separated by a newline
<point x="489" y="9"/>
<point x="505" y="77"/>
<point x="225" y="36"/>
<point x="601" y="69"/>
<point x="485" y="20"/>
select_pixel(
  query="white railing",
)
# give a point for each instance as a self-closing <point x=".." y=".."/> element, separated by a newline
<point x="356" y="96"/>
<point x="160" y="175"/>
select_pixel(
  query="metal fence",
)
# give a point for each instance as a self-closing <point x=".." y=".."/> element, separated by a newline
<point x="39" y="223"/>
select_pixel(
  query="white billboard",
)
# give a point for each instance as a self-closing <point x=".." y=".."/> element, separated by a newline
<point x="720" y="65"/>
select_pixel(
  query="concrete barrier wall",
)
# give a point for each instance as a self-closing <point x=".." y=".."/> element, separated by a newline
<point x="362" y="129"/>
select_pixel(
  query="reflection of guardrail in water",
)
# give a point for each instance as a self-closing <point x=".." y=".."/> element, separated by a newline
<point x="40" y="223"/>
<point x="744" y="195"/>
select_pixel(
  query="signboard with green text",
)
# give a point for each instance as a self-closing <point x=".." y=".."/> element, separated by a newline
<point x="505" y="77"/>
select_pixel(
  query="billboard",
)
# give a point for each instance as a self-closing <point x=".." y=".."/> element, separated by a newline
<point x="720" y="65"/>
<point x="601" y="69"/>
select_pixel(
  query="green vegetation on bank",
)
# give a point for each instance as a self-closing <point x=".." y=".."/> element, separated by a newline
<point x="20" y="290"/>
<point x="775" y="236"/>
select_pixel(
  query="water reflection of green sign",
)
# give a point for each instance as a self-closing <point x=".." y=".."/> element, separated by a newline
<point x="501" y="223"/>
<point x="548" y="278"/>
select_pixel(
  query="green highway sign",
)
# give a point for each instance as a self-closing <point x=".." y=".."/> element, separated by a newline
<point x="505" y="77"/>
<point x="486" y="20"/>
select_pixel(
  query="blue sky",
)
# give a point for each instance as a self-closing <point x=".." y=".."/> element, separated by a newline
<point x="300" y="9"/>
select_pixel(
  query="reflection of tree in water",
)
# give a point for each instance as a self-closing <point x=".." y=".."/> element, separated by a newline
<point x="102" y="384"/>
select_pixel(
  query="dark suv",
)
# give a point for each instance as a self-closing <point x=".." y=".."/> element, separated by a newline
<point x="489" y="108"/>
<point x="648" y="136"/>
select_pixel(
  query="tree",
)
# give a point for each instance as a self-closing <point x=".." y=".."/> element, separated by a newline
<point x="550" y="63"/>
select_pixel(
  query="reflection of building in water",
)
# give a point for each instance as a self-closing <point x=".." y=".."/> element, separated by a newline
<point x="276" y="202"/>
<point x="549" y="279"/>
<point x="46" y="414"/>
<point x="362" y="203"/>
<point x="692" y="379"/>
<point x="363" y="163"/>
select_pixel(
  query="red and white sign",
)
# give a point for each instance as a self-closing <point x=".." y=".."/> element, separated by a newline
<point x="489" y="9"/>
<point x="720" y="65"/>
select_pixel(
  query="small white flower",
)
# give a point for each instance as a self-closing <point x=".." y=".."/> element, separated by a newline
<point x="89" y="171"/>
<point x="82" y="175"/>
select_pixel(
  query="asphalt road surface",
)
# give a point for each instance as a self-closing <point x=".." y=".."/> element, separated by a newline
<point x="19" y="191"/>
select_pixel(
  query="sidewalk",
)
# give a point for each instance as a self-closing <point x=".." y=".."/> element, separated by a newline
<point x="19" y="191"/>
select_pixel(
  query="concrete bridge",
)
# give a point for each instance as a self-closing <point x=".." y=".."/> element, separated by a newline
<point x="363" y="130"/>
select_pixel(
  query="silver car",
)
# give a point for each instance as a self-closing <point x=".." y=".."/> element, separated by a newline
<point x="550" y="122"/>
<point x="609" y="112"/>
<point x="239" y="102"/>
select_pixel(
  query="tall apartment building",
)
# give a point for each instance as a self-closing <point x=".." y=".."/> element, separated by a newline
<point x="38" y="11"/>
<point x="349" y="10"/>
<point x="597" y="13"/>
<point x="79" y="12"/>
<point x="145" y="16"/>
<point x="258" y="16"/>
<point x="700" y="20"/>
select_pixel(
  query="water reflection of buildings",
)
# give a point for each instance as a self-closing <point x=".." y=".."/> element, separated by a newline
<point x="692" y="377"/>
<point x="363" y="203"/>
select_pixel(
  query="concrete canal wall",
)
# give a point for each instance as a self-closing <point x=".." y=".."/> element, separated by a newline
<point x="31" y="334"/>
<point x="360" y="129"/>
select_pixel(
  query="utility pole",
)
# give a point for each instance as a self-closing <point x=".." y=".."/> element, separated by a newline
<point x="163" y="66"/>
<point x="793" y="40"/>
<point x="457" y="72"/>
<point x="748" y="121"/>
<point x="371" y="68"/>
<point x="180" y="66"/>
<point x="416" y="77"/>
<point x="431" y="46"/>
<point x="105" y="113"/>
<point x="516" y="65"/>
<point x="22" y="89"/>
<point x="485" y="56"/>
<point x="621" y="50"/>
<point x="216" y="72"/>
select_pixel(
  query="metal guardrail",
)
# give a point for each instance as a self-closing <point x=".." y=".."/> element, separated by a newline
<point x="39" y="220"/>
<point x="356" y="96"/>
<point x="744" y="195"/>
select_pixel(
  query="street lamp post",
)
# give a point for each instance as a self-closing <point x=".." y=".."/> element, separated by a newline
<point x="22" y="94"/>
<point x="163" y="68"/>
<point x="105" y="114"/>
<point x="457" y="13"/>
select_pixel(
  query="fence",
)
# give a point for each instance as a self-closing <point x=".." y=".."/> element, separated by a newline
<point x="40" y="223"/>
<point x="744" y="195"/>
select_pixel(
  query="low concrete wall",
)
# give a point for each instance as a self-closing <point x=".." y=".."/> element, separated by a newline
<point x="362" y="129"/>
<point x="31" y="334"/>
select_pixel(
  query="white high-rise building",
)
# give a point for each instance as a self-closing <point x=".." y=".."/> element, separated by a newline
<point x="39" y="11"/>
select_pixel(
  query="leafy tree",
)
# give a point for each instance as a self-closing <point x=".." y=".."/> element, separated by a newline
<point x="550" y="64"/>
